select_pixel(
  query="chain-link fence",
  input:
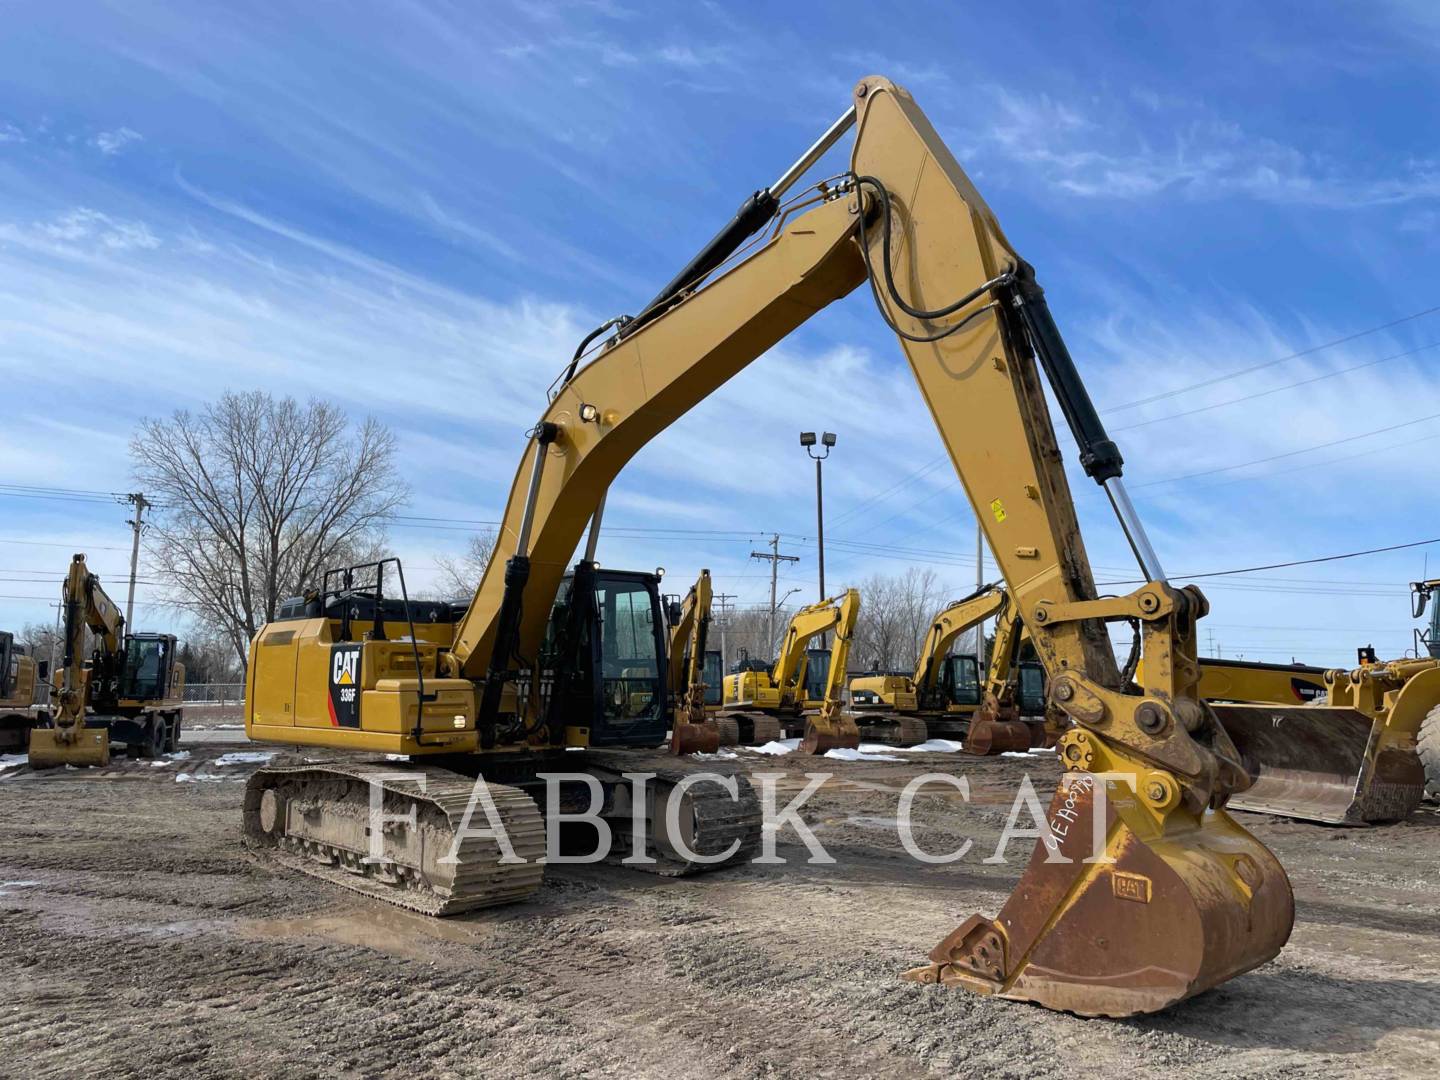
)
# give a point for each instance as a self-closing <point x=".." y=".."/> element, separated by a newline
<point x="214" y="693"/>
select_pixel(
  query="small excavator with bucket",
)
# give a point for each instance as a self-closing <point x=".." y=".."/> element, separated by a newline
<point x="761" y="703"/>
<point x="946" y="698"/>
<point x="17" y="694"/>
<point x="1175" y="897"/>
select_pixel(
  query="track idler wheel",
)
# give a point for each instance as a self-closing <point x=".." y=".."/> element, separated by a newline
<point x="727" y="730"/>
<point x="1177" y="903"/>
<point x="688" y="738"/>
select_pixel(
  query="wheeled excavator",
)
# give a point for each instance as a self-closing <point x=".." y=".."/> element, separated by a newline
<point x="1182" y="898"/>
<point x="17" y="694"/>
<point x="762" y="703"/>
<point x="945" y="697"/>
<point x="129" y="687"/>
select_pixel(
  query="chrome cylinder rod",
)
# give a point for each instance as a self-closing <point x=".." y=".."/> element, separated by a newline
<point x="814" y="154"/>
<point x="593" y="536"/>
<point x="1134" y="530"/>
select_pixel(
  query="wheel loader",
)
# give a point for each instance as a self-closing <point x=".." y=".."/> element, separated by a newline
<point x="128" y="688"/>
<point x="761" y="702"/>
<point x="1343" y="747"/>
<point x="546" y="660"/>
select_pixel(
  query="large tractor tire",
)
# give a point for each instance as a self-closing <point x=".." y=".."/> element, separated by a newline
<point x="1429" y="749"/>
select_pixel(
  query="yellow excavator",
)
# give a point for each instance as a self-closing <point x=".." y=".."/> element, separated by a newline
<point x="129" y="687"/>
<point x="945" y="697"/>
<point x="692" y="730"/>
<point x="17" y="695"/>
<point x="1181" y="898"/>
<point x="762" y="702"/>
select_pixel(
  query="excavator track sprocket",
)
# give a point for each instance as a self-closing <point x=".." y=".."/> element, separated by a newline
<point x="315" y="817"/>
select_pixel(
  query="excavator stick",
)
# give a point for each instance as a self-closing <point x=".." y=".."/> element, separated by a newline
<point x="52" y="747"/>
<point x="1322" y="763"/>
<point x="1183" y="903"/>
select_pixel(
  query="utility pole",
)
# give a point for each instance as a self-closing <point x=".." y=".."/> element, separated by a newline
<point x="723" y="599"/>
<point x="1211" y="635"/>
<point x="54" y="655"/>
<point x="141" y="504"/>
<point x="774" y="558"/>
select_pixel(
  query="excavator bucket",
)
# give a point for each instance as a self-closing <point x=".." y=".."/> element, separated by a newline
<point x="989" y="737"/>
<point x="49" y="750"/>
<point x="822" y="738"/>
<point x="1322" y="763"/>
<point x="694" y="738"/>
<point x="1177" y="902"/>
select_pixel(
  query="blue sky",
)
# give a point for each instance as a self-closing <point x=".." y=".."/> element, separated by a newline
<point x="417" y="210"/>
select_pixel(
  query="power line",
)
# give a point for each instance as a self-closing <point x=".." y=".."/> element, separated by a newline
<point x="1274" y="390"/>
<point x="1293" y="562"/>
<point x="1288" y="453"/>
<point x="1268" y="363"/>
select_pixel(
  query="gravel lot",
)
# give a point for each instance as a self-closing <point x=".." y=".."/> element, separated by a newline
<point x="141" y="939"/>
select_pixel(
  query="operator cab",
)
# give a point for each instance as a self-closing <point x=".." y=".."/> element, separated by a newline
<point x="714" y="678"/>
<point x="817" y="669"/>
<point x="605" y="656"/>
<point x="958" y="683"/>
<point x="149" y="659"/>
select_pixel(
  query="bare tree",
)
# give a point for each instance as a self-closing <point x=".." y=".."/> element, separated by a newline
<point x="459" y="576"/>
<point x="879" y="636"/>
<point x="255" y="497"/>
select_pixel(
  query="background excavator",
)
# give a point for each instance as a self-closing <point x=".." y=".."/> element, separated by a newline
<point x="129" y="687"/>
<point x="17" y="695"/>
<point x="1183" y="896"/>
<point x="691" y="729"/>
<point x="946" y="697"/>
<point x="762" y="702"/>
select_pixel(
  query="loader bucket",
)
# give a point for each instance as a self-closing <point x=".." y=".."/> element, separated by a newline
<point x="48" y="750"/>
<point x="1322" y="763"/>
<point x="1188" y="901"/>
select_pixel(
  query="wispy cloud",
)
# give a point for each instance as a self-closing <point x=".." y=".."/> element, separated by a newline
<point x="113" y="142"/>
<point x="84" y="228"/>
<point x="9" y="133"/>
<point x="1105" y="153"/>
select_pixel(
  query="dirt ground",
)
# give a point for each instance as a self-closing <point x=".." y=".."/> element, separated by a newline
<point x="139" y="938"/>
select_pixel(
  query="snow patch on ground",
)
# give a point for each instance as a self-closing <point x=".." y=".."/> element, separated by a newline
<point x="932" y="746"/>
<point x="782" y="746"/>
<point x="246" y="757"/>
<point x="161" y="763"/>
<point x="842" y="754"/>
<point x="719" y="755"/>
<point x="1027" y="753"/>
<point x="9" y="761"/>
<point x="6" y="886"/>
<point x="191" y="778"/>
<point x="178" y="755"/>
